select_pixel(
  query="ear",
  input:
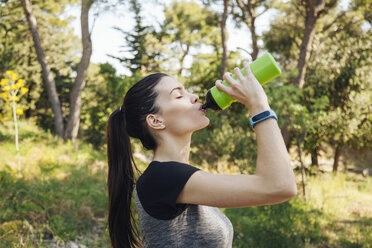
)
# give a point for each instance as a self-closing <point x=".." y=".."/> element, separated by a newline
<point x="155" y="122"/>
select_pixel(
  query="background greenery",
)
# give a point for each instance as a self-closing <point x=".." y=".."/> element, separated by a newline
<point x="61" y="195"/>
<point x="62" y="198"/>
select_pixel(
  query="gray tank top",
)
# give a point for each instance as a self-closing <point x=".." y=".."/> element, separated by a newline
<point x="164" y="223"/>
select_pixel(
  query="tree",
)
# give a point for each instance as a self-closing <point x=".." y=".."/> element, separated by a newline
<point x="107" y="89"/>
<point x="338" y="54"/>
<point x="225" y="53"/>
<point x="291" y="38"/>
<point x="189" y="26"/>
<point x="348" y="62"/>
<point x="47" y="75"/>
<point x="80" y="80"/>
<point x="135" y="42"/>
<point x="79" y="84"/>
<point x="17" y="53"/>
<point x="247" y="11"/>
<point x="314" y="9"/>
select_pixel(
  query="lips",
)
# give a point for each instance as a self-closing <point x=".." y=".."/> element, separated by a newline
<point x="202" y="110"/>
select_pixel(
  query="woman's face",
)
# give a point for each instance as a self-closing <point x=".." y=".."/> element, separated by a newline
<point x="180" y="111"/>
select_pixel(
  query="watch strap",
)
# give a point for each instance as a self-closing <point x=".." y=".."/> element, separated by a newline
<point x="257" y="118"/>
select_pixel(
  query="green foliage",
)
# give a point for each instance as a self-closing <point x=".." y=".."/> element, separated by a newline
<point x="364" y="7"/>
<point x="60" y="197"/>
<point x="17" y="52"/>
<point x="227" y="141"/>
<point x="103" y="94"/>
<point x="189" y="26"/>
<point x="135" y="42"/>
<point x="289" y="224"/>
<point x="345" y="82"/>
<point x="330" y="217"/>
<point x="334" y="106"/>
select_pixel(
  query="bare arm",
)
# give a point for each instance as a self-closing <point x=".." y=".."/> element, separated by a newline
<point x="273" y="163"/>
<point x="274" y="180"/>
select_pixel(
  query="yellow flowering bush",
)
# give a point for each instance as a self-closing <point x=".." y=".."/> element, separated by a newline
<point x="12" y="88"/>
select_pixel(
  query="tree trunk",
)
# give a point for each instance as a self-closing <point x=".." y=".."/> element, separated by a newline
<point x="287" y="132"/>
<point x="337" y="156"/>
<point x="225" y="55"/>
<point x="80" y="80"/>
<point x="47" y="74"/>
<point x="251" y="22"/>
<point x="314" y="157"/>
<point x="183" y="58"/>
<point x="305" y="50"/>
<point x="252" y="28"/>
<point x="299" y="144"/>
<point x="313" y="9"/>
<point x="31" y="86"/>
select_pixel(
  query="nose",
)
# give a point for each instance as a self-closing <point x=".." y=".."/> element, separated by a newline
<point x="195" y="98"/>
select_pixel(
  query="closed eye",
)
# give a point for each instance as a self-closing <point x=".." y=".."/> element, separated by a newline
<point x="179" y="97"/>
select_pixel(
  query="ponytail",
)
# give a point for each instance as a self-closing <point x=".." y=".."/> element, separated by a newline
<point x="128" y="121"/>
<point x="122" y="228"/>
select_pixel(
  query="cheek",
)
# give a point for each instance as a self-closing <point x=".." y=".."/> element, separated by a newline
<point x="180" y="114"/>
<point x="177" y="113"/>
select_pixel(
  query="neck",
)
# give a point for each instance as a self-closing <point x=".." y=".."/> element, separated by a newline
<point x="173" y="149"/>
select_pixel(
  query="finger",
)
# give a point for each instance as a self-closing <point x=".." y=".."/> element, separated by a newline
<point x="223" y="87"/>
<point x="229" y="79"/>
<point x="248" y="69"/>
<point x="238" y="74"/>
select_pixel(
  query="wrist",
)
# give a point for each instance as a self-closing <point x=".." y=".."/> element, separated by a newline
<point x="258" y="108"/>
<point x="258" y="118"/>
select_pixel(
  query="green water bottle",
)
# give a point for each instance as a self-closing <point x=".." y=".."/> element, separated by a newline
<point x="264" y="69"/>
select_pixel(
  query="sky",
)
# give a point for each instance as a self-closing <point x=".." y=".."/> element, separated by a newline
<point x="106" y="40"/>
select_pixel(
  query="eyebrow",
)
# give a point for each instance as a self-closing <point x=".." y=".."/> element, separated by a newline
<point x="177" y="88"/>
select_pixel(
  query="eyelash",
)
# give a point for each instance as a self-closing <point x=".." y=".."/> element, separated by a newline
<point x="179" y="97"/>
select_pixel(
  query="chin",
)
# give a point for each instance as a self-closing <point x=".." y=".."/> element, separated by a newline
<point x="204" y="124"/>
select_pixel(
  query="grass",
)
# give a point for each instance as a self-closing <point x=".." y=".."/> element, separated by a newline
<point x="61" y="197"/>
<point x="337" y="213"/>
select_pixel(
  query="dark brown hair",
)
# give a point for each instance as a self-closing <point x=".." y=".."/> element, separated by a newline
<point x="128" y="122"/>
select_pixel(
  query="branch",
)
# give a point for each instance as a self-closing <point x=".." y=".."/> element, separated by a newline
<point x="262" y="12"/>
<point x="319" y="7"/>
<point x="332" y="34"/>
<point x="250" y="10"/>
<point x="298" y="8"/>
<point x="325" y="28"/>
<point x="241" y="6"/>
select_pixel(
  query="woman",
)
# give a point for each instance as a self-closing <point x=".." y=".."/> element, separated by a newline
<point x="177" y="203"/>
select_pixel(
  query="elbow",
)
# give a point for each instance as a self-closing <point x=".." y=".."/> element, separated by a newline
<point x="286" y="189"/>
<point x="289" y="191"/>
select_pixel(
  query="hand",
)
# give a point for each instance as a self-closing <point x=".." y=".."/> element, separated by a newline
<point x="246" y="89"/>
